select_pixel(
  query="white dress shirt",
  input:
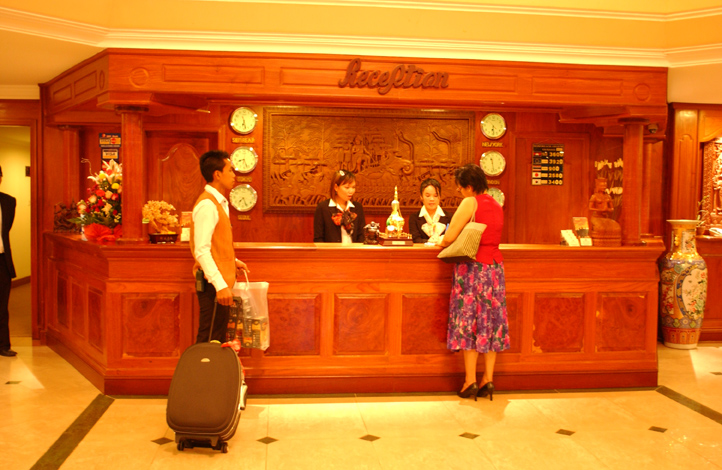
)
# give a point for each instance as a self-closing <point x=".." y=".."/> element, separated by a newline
<point x="205" y="219"/>
<point x="345" y="237"/>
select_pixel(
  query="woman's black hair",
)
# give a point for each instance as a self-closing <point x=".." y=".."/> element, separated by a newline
<point x="339" y="178"/>
<point x="430" y="182"/>
<point x="471" y="175"/>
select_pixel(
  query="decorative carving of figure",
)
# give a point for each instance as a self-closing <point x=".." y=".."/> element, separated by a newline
<point x="604" y="231"/>
<point x="717" y="187"/>
<point x="601" y="203"/>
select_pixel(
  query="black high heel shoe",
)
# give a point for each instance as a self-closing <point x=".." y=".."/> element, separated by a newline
<point x="487" y="389"/>
<point x="472" y="389"/>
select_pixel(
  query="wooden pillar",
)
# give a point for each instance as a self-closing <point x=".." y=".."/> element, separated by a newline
<point x="71" y="165"/>
<point x="646" y="187"/>
<point x="632" y="184"/>
<point x="131" y="151"/>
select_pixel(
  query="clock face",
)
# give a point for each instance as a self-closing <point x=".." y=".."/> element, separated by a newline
<point x="243" y="120"/>
<point x="497" y="194"/>
<point x="493" y="126"/>
<point x="493" y="163"/>
<point x="243" y="197"/>
<point x="244" y="159"/>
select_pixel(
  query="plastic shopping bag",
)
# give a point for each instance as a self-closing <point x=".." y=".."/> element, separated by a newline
<point x="248" y="316"/>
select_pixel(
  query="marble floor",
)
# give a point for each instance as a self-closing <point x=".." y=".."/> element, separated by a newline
<point x="53" y="418"/>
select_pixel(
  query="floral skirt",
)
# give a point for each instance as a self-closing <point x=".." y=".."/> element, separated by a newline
<point x="477" y="308"/>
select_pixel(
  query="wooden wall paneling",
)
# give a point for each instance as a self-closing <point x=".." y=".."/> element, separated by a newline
<point x="711" y="250"/>
<point x="559" y="322"/>
<point x="173" y="173"/>
<point x="96" y="319"/>
<point x="361" y="324"/>
<point x="515" y="314"/>
<point x="71" y="163"/>
<point x="78" y="309"/>
<point x="710" y="124"/>
<point x="62" y="300"/>
<point x="151" y="324"/>
<point x="621" y="322"/>
<point x="301" y="316"/>
<point x="658" y="196"/>
<point x="424" y="323"/>
<point x="543" y="211"/>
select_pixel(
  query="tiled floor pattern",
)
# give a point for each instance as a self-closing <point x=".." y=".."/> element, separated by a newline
<point x="41" y="396"/>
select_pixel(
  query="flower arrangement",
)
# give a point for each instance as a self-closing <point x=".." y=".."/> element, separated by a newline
<point x="158" y="216"/>
<point x="100" y="214"/>
<point x="103" y="203"/>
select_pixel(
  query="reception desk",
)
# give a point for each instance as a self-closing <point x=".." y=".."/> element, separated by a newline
<point x="356" y="318"/>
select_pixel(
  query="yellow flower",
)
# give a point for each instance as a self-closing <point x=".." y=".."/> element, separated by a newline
<point x="115" y="186"/>
<point x="102" y="176"/>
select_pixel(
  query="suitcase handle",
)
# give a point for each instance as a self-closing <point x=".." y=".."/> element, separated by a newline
<point x="213" y="320"/>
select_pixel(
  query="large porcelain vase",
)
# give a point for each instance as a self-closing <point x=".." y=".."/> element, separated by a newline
<point x="683" y="289"/>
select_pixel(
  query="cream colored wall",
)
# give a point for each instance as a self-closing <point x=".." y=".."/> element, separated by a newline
<point x="14" y="157"/>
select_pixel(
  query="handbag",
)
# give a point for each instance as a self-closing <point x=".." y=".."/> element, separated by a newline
<point x="248" y="317"/>
<point x="466" y="245"/>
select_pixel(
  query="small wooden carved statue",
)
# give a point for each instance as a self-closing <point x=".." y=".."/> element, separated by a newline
<point x="63" y="218"/>
<point x="604" y="231"/>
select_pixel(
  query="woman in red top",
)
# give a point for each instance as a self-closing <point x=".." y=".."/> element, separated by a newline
<point x="477" y="306"/>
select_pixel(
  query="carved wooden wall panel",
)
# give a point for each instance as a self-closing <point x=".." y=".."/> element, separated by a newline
<point x="174" y="175"/>
<point x="78" y="309"/>
<point x="384" y="148"/>
<point x="360" y="324"/>
<point x="62" y="300"/>
<point x="151" y="325"/>
<point x="96" y="314"/>
<point x="424" y="322"/>
<point x="621" y="322"/>
<point x="558" y="323"/>
<point x="712" y="185"/>
<point x="301" y="316"/>
<point x="514" y="311"/>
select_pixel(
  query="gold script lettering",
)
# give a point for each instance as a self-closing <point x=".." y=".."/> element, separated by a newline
<point x="401" y="76"/>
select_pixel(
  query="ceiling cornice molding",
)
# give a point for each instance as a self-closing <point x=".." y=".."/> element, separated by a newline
<point x="690" y="56"/>
<point x="384" y="46"/>
<point x="505" y="9"/>
<point x="19" y="92"/>
<point x="53" y="28"/>
<point x="50" y="27"/>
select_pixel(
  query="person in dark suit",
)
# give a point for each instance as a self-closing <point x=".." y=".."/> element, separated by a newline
<point x="7" y="269"/>
<point x="338" y="220"/>
<point x="431" y="218"/>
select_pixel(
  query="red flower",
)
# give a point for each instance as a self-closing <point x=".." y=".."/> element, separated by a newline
<point x="99" y="192"/>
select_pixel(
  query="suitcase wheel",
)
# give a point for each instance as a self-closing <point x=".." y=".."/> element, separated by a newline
<point x="222" y="446"/>
<point x="181" y="445"/>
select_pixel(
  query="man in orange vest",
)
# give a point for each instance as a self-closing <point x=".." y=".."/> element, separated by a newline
<point x="211" y="243"/>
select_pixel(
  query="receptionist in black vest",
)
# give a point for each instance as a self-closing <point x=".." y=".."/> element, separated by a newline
<point x="338" y="220"/>
<point x="431" y="219"/>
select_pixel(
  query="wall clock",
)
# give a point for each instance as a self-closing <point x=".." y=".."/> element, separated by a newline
<point x="243" y="120"/>
<point x="493" y="163"/>
<point x="497" y="194"/>
<point x="243" y="197"/>
<point x="244" y="159"/>
<point x="493" y="126"/>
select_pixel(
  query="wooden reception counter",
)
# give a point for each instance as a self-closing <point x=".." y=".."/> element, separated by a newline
<point x="356" y="318"/>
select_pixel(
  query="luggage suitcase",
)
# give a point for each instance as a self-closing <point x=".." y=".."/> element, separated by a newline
<point x="206" y="396"/>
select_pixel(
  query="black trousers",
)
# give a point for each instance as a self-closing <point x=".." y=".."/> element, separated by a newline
<point x="6" y="284"/>
<point x="207" y="300"/>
